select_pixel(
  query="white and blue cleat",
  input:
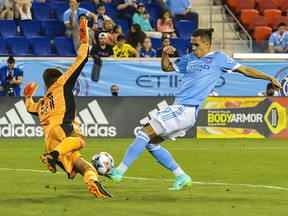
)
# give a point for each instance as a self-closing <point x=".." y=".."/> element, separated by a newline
<point x="115" y="175"/>
<point x="181" y="181"/>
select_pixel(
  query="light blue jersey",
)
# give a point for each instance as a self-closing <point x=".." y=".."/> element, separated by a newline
<point x="177" y="6"/>
<point x="78" y="12"/>
<point x="200" y="76"/>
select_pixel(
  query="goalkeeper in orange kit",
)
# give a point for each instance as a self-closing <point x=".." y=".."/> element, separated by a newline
<point x="57" y="111"/>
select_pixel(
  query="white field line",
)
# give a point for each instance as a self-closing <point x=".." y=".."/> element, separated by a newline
<point x="170" y="180"/>
<point x="175" y="148"/>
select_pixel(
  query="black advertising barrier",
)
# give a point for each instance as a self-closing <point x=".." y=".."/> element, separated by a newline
<point x="121" y="117"/>
<point x="111" y="117"/>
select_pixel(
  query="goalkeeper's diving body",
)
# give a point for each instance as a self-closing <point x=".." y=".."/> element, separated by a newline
<point x="57" y="111"/>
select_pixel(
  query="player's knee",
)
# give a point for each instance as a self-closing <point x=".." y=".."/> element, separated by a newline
<point x="147" y="128"/>
<point x="152" y="147"/>
<point x="142" y="134"/>
<point x="81" y="142"/>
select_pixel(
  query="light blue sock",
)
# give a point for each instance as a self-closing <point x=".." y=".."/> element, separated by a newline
<point x="136" y="148"/>
<point x="162" y="156"/>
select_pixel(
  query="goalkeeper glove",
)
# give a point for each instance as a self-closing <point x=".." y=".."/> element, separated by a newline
<point x="30" y="89"/>
<point x="83" y="31"/>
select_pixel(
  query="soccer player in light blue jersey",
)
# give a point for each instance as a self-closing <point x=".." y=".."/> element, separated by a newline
<point x="201" y="68"/>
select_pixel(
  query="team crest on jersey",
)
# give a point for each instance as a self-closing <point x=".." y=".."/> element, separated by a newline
<point x="208" y="60"/>
<point x="282" y="77"/>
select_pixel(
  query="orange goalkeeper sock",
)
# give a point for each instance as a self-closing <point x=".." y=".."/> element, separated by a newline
<point x="90" y="175"/>
<point x="69" y="144"/>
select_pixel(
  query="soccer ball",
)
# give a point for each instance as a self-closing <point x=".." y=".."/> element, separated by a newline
<point x="103" y="162"/>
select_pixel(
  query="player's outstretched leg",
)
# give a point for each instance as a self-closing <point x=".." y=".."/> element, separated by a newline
<point x="165" y="159"/>
<point x="133" y="152"/>
<point x="91" y="178"/>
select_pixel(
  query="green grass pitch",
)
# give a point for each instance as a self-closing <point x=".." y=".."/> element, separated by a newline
<point x="231" y="177"/>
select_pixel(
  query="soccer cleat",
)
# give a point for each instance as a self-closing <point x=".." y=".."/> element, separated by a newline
<point x="181" y="182"/>
<point x="83" y="31"/>
<point x="115" y="174"/>
<point x="97" y="189"/>
<point x="47" y="159"/>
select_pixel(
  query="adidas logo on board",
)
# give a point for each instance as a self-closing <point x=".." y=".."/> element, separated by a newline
<point x="17" y="122"/>
<point x="90" y="119"/>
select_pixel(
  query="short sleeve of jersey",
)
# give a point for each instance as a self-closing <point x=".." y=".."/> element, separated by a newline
<point x="66" y="16"/>
<point x="226" y="63"/>
<point x="21" y="72"/>
<point x="180" y="64"/>
<point x="271" y="40"/>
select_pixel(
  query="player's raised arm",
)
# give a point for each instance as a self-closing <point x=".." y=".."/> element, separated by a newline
<point x="254" y="73"/>
<point x="74" y="70"/>
<point x="165" y="61"/>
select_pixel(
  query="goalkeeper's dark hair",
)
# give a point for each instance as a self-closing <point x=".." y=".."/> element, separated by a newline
<point x="204" y="33"/>
<point x="51" y="75"/>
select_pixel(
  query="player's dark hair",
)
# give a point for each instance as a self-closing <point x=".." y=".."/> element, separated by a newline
<point x="204" y="33"/>
<point x="51" y="75"/>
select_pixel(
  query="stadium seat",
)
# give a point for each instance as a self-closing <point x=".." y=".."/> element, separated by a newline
<point x="232" y="5"/>
<point x="58" y="9"/>
<point x="284" y="6"/>
<point x="64" y="46"/>
<point x="246" y="15"/>
<point x="184" y="29"/>
<point x="258" y="21"/>
<point x="279" y="4"/>
<point x="266" y="4"/>
<point x="261" y="36"/>
<point x="52" y="28"/>
<point x="261" y="33"/>
<point x="2" y="47"/>
<point x="180" y="45"/>
<point x="124" y="24"/>
<point x="18" y="46"/>
<point x="271" y="14"/>
<point x="111" y="11"/>
<point x="154" y="10"/>
<point x="156" y="43"/>
<point x="29" y="28"/>
<point x="88" y="6"/>
<point x="8" y="28"/>
<point x="41" y="46"/>
<point x="40" y="11"/>
<point x="277" y="21"/>
<point x="244" y="4"/>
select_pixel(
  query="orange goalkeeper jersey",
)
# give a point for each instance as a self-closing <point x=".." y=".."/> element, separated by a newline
<point x="57" y="107"/>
